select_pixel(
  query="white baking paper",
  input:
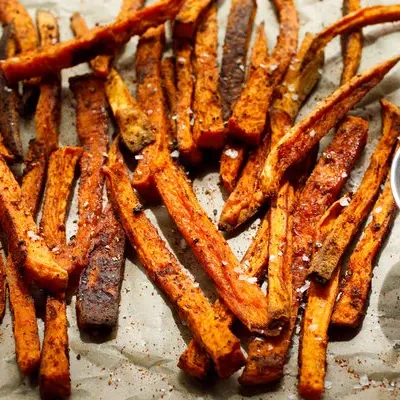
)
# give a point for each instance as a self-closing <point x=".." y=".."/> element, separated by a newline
<point x="139" y="360"/>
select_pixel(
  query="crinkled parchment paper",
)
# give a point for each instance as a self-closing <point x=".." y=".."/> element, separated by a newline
<point x="139" y="360"/>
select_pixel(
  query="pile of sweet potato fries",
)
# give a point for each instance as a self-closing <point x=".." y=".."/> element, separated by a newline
<point x="186" y="105"/>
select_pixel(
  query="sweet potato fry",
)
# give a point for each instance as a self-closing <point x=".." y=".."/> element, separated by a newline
<point x="151" y="99"/>
<point x="188" y="18"/>
<point x="328" y="257"/>
<point x="354" y="288"/>
<point x="208" y="129"/>
<point x="9" y="117"/>
<point x="91" y="124"/>
<point x="300" y="139"/>
<point x="244" y="299"/>
<point x="170" y="90"/>
<point x="185" y="92"/>
<point x="248" y="120"/>
<point x="234" y="153"/>
<point x="163" y="269"/>
<point x="266" y="357"/>
<point x="2" y="290"/>
<point x="314" y="334"/>
<point x="48" y="109"/>
<point x="103" y="40"/>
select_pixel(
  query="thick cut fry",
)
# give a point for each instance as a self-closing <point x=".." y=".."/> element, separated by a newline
<point x="134" y="125"/>
<point x="244" y="299"/>
<point x="9" y="100"/>
<point x="151" y="98"/>
<point x="328" y="257"/>
<point x="103" y="40"/>
<point x="300" y="139"/>
<point x="48" y="109"/>
<point x="234" y="154"/>
<point x="314" y="335"/>
<point x="248" y="120"/>
<point x="163" y="269"/>
<point x="237" y="37"/>
<point x="208" y="129"/>
<point x="266" y="357"/>
<point x="349" y="309"/>
<point x="91" y="125"/>
<point x="188" y="18"/>
<point x="169" y="86"/>
<point x="184" y="114"/>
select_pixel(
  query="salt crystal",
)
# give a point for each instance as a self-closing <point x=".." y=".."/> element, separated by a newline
<point x="189" y="111"/>
<point x="305" y="287"/>
<point x="292" y="67"/>
<point x="262" y="66"/>
<point x="242" y="277"/>
<point x="328" y="385"/>
<point x="192" y="121"/>
<point x="280" y="254"/>
<point x="55" y="249"/>
<point x="291" y="88"/>
<point x="196" y="284"/>
<point x="295" y="97"/>
<point x="312" y="133"/>
<point x="175" y="154"/>
<point x="105" y="154"/>
<point x="344" y="202"/>
<point x="231" y="153"/>
<point x="273" y="67"/>
<point x="238" y="270"/>
<point x="224" y="263"/>
<point x="313" y="327"/>
<point x="318" y="244"/>
<point x="32" y="235"/>
<point x="264" y="287"/>
<point x="149" y="112"/>
<point x="181" y="60"/>
<point x="139" y="157"/>
<point x="174" y="117"/>
<point x="378" y="210"/>
<point x="305" y="258"/>
<point x="344" y="175"/>
<point x="339" y="296"/>
<point x="364" y="381"/>
<point x="86" y="204"/>
<point x="272" y="257"/>
<point x="252" y="280"/>
<point x="241" y="67"/>
<point x="7" y="89"/>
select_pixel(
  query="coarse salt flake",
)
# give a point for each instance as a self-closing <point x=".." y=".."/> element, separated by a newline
<point x="305" y="287"/>
<point x="272" y="257"/>
<point x="305" y="258"/>
<point x="328" y="385"/>
<point x="312" y="133"/>
<point x="231" y="153"/>
<point x="313" y="327"/>
<point x="280" y="253"/>
<point x="252" y="280"/>
<point x="175" y="154"/>
<point x="378" y="210"/>
<point x="32" y="235"/>
<point x="238" y="270"/>
<point x="139" y="157"/>
<point x="224" y="263"/>
<point x="291" y="88"/>
<point x="295" y="96"/>
<point x="344" y="202"/>
<point x="273" y="67"/>
<point x="181" y="60"/>
<point x="318" y="244"/>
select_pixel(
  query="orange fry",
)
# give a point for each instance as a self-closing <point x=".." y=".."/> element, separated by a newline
<point x="170" y="90"/>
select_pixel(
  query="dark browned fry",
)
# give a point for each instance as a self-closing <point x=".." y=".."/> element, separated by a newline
<point x="327" y="259"/>
<point x="91" y="125"/>
<point x="163" y="269"/>
<point x="170" y="90"/>
<point x="151" y="99"/>
<point x="102" y="40"/>
<point x="208" y="128"/>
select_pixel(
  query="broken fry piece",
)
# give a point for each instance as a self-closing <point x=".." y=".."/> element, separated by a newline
<point x="208" y="129"/>
<point x="162" y="267"/>
<point x="102" y="40"/>
<point x="354" y="288"/>
<point x="300" y="139"/>
<point x="328" y="257"/>
<point x="91" y="125"/>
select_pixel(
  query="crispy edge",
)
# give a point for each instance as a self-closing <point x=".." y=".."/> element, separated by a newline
<point x="208" y="128"/>
<point x="168" y="76"/>
<point x="102" y="40"/>
<point x="151" y="98"/>
<point x="356" y="284"/>
<point x="163" y="269"/>
<point x="187" y="147"/>
<point x="92" y="128"/>
<point x="327" y="259"/>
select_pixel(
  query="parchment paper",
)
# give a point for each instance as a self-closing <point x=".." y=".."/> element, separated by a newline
<point x="139" y="360"/>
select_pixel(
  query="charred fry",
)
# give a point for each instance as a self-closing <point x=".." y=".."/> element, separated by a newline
<point x="208" y="129"/>
<point x="327" y="259"/>
<point x="103" y="40"/>
<point x="163" y="269"/>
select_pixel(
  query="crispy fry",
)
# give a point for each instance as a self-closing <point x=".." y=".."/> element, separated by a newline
<point x="48" y="109"/>
<point x="151" y="98"/>
<point x="237" y="38"/>
<point x="185" y="92"/>
<point x="208" y="129"/>
<point x="162" y="267"/>
<point x="300" y="139"/>
<point x="103" y="40"/>
<point x="134" y="125"/>
<point x="188" y="18"/>
<point x="169" y="85"/>
<point x="350" y="308"/>
<point x="266" y="358"/>
<point x="314" y="335"/>
<point x="248" y="120"/>
<point x="328" y="257"/>
<point x="245" y="300"/>
<point x="234" y="153"/>
<point x="91" y="124"/>
<point x="9" y="100"/>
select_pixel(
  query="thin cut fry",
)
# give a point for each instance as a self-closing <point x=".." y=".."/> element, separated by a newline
<point x="266" y="357"/>
<point x="328" y="257"/>
<point x="91" y="125"/>
<point x="208" y="129"/>
<point x="163" y="269"/>
<point x="248" y="120"/>
<point x="103" y="40"/>
<point x="314" y="335"/>
<point x="354" y="288"/>
<point x="151" y="98"/>
<point x="185" y="92"/>
<point x="170" y="90"/>
<point x="48" y="109"/>
<point x="188" y="18"/>
<point x="244" y="299"/>
<point x="303" y="136"/>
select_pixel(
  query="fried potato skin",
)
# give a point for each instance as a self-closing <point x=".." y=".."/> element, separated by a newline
<point x="103" y="40"/>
